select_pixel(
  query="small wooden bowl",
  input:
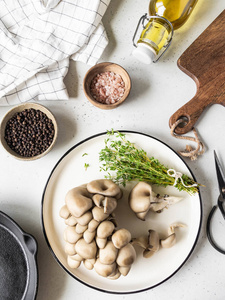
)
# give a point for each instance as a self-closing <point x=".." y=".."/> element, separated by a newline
<point x="20" y="108"/>
<point x="101" y="68"/>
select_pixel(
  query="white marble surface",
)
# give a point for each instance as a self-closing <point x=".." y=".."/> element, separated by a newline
<point x="157" y="92"/>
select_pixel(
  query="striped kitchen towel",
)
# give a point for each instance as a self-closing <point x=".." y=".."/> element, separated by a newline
<point x="37" y="39"/>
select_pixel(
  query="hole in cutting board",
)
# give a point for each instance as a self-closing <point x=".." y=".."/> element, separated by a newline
<point x="185" y="121"/>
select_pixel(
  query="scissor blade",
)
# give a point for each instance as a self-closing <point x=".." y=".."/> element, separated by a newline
<point x="220" y="175"/>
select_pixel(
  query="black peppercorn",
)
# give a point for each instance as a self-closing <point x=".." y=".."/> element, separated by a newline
<point x="29" y="132"/>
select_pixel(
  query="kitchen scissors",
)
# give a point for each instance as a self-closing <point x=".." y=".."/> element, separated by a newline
<point x="220" y="202"/>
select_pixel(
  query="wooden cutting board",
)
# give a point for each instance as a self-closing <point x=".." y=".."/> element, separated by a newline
<point x="204" y="62"/>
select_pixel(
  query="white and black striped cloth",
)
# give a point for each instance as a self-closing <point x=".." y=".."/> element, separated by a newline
<point x="37" y="39"/>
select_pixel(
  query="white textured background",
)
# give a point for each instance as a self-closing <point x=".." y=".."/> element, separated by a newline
<point x="157" y="92"/>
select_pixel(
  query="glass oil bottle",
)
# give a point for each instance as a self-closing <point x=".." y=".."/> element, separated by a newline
<point x="164" y="17"/>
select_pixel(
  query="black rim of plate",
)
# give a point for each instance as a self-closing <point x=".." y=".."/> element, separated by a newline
<point x="81" y="281"/>
<point x="29" y="247"/>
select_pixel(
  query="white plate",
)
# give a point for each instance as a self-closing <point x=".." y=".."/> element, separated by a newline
<point x="145" y="273"/>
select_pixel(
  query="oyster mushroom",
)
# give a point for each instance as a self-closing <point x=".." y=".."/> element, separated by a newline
<point x="141" y="241"/>
<point x="104" y="270"/>
<point x="115" y="275"/>
<point x="74" y="264"/>
<point x="76" y="257"/>
<point x="89" y="263"/>
<point x="150" y="243"/>
<point x="98" y="214"/>
<point x="89" y="236"/>
<point x="105" y="229"/>
<point x="81" y="228"/>
<point x="71" y="221"/>
<point x="126" y="256"/>
<point x="86" y="250"/>
<point x="108" y="254"/>
<point x="124" y="270"/>
<point x="153" y="244"/>
<point x="101" y="242"/>
<point x="78" y="201"/>
<point x="171" y="239"/>
<point x="97" y="198"/>
<point x="142" y="199"/>
<point x="104" y="187"/>
<point x="64" y="212"/>
<point x="71" y="236"/>
<point x="121" y="237"/>
<point x="85" y="218"/>
<point x="70" y="249"/>
<point x="108" y="203"/>
<point x="92" y="225"/>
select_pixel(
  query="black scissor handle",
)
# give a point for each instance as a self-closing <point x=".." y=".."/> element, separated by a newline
<point x="208" y="231"/>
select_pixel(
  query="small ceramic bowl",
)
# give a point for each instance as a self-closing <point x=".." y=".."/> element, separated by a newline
<point x="101" y="68"/>
<point x="20" y="108"/>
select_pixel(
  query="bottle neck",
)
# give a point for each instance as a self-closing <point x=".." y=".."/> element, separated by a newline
<point x="156" y="34"/>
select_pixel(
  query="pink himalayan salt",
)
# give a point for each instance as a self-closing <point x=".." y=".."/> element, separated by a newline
<point x="107" y="87"/>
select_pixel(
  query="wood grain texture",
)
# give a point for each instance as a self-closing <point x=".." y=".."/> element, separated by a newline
<point x="204" y="62"/>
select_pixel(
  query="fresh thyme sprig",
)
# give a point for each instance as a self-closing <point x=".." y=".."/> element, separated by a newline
<point x="131" y="163"/>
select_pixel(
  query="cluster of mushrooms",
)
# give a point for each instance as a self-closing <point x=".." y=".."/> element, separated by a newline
<point x="151" y="243"/>
<point x="91" y="235"/>
<point x="143" y="199"/>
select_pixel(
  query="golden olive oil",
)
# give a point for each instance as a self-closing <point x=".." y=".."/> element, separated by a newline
<point x="176" y="11"/>
<point x="164" y="17"/>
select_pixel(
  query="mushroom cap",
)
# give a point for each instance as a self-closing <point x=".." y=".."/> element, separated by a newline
<point x="70" y="235"/>
<point x="70" y="249"/>
<point x="85" y="218"/>
<point x="126" y="256"/>
<point x="115" y="275"/>
<point x="78" y="200"/>
<point x="89" y="236"/>
<point x="71" y="221"/>
<point x="101" y="242"/>
<point x="74" y="264"/>
<point x="124" y="270"/>
<point x="92" y="225"/>
<point x="81" y="228"/>
<point x="86" y="250"/>
<point x="121" y="237"/>
<point x="98" y="214"/>
<point x="104" y="270"/>
<point x="97" y="198"/>
<point x="171" y="239"/>
<point x="76" y="257"/>
<point x="109" y="204"/>
<point x="142" y="215"/>
<point x="105" y="229"/>
<point x="89" y="263"/>
<point x="108" y="254"/>
<point x="64" y="212"/>
<point x="148" y="253"/>
<point x="104" y="187"/>
<point x="140" y="197"/>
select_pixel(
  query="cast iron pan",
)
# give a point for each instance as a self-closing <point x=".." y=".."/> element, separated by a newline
<point x="18" y="267"/>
